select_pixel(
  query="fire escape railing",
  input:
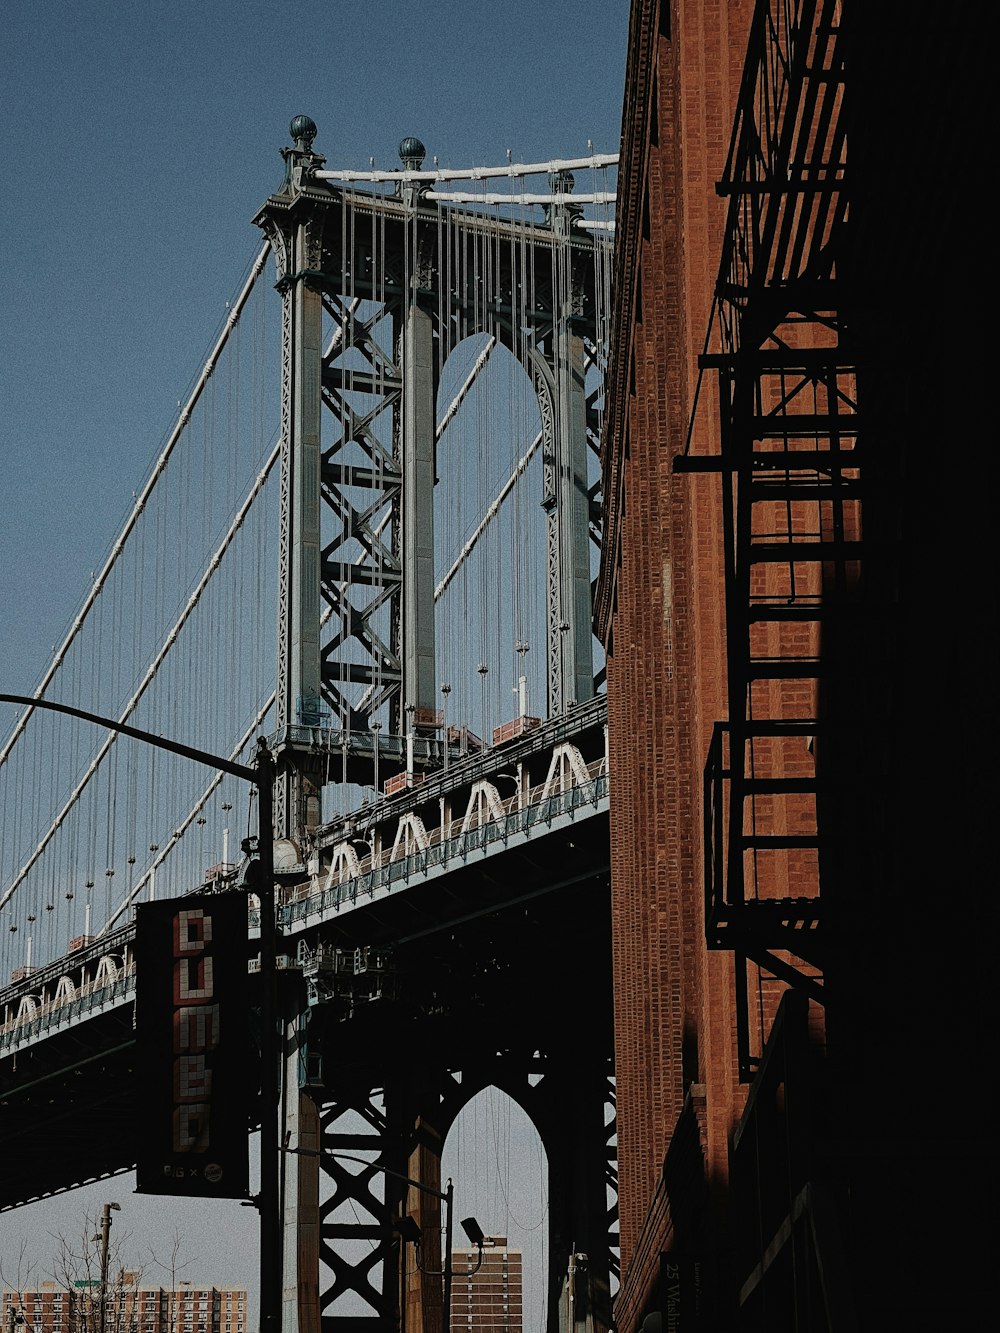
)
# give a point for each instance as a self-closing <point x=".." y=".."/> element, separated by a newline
<point x="788" y="426"/>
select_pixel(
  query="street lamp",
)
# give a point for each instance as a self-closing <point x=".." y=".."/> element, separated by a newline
<point x="475" y="1234"/>
<point x="260" y="776"/>
<point x="445" y="691"/>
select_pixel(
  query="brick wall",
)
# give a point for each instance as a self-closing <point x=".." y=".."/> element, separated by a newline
<point x="661" y="601"/>
<point x="907" y="703"/>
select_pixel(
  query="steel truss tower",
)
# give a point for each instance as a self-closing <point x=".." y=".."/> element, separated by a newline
<point x="357" y="660"/>
<point x="379" y="268"/>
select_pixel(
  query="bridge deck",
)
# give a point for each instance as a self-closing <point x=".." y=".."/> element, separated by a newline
<point x="452" y="874"/>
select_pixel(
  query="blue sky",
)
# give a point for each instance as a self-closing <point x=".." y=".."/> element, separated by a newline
<point x="137" y="141"/>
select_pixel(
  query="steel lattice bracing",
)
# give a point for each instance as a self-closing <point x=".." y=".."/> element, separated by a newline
<point x="399" y="282"/>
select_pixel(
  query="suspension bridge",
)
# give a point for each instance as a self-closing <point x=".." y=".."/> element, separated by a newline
<point x="387" y="467"/>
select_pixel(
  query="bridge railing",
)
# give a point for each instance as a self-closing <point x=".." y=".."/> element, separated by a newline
<point x="456" y="839"/>
<point x="90" y="978"/>
<point x="467" y="768"/>
<point x="35" y="1016"/>
<point x="86" y="952"/>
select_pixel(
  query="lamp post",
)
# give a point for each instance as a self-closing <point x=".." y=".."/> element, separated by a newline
<point x="260" y="776"/>
<point x="376" y="727"/>
<point x="448" y="1195"/>
<point x="102" y="1309"/>
<point x="445" y="691"/>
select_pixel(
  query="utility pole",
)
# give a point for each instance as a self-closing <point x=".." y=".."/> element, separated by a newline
<point x="105" y="1230"/>
<point x="571" y="1290"/>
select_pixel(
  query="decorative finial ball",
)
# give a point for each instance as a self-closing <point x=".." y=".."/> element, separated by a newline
<point x="304" y="129"/>
<point x="412" y="152"/>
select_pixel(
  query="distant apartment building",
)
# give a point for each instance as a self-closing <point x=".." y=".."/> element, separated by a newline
<point x="486" y="1297"/>
<point x="53" y="1307"/>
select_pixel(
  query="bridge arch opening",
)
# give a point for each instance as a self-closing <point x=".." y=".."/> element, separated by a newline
<point x="490" y="538"/>
<point x="497" y="1161"/>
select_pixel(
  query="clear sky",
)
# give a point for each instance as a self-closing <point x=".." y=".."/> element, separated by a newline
<point x="137" y="140"/>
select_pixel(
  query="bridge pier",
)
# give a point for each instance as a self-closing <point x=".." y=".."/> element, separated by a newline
<point x="300" y="1176"/>
<point x="577" y="1135"/>
<point x="422" y="1291"/>
<point x="362" y="1118"/>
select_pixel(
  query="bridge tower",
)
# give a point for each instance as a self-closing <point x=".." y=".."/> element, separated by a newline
<point x="374" y="294"/>
<point x="357" y="512"/>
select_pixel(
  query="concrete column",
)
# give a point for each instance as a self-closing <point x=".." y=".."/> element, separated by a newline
<point x="300" y="1311"/>
<point x="424" y="1290"/>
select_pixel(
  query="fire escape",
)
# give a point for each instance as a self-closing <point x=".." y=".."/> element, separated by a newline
<point x="788" y="463"/>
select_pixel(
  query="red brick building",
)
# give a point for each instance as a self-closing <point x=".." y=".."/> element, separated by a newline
<point x="798" y="607"/>
<point x="487" y="1289"/>
<point x="73" y="1307"/>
